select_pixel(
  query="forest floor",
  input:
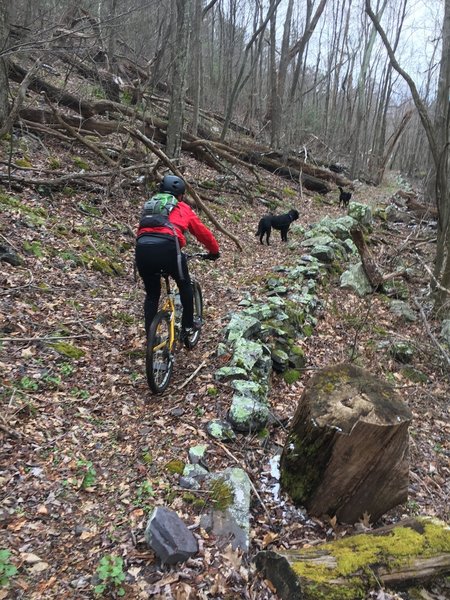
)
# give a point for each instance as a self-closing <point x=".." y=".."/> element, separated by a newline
<point x="85" y="445"/>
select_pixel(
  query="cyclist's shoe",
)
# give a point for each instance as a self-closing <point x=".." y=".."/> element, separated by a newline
<point x="187" y="332"/>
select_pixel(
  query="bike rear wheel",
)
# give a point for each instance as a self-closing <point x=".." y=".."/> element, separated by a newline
<point x="159" y="356"/>
<point x="192" y="340"/>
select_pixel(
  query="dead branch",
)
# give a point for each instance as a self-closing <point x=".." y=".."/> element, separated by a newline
<point x="370" y="268"/>
<point x="165" y="160"/>
<point x="18" y="101"/>
<point x="441" y="349"/>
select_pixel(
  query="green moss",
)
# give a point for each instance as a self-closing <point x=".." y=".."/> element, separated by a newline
<point x="221" y="494"/>
<point x="23" y="162"/>
<point x="33" y="248"/>
<point x="68" y="191"/>
<point x="87" y="208"/>
<point x="37" y="214"/>
<point x="291" y="376"/>
<point x="105" y="266"/>
<point x="414" y="375"/>
<point x="360" y="553"/>
<point x="54" y="163"/>
<point x="175" y="466"/>
<point x="80" y="163"/>
<point x="124" y="317"/>
<point x="68" y="350"/>
<point x="287" y="191"/>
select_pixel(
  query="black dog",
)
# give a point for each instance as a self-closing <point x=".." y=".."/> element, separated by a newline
<point x="280" y="222"/>
<point x="344" y="197"/>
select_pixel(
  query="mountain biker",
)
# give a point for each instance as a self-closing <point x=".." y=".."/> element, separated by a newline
<point x="157" y="250"/>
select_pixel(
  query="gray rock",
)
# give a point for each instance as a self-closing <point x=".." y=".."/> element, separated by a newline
<point x="220" y="430"/>
<point x="189" y="483"/>
<point x="248" y="414"/>
<point x="250" y="389"/>
<point x="196" y="472"/>
<point x="246" y="354"/>
<point x="197" y="453"/>
<point x="355" y="279"/>
<point x="360" y="212"/>
<point x="241" y="326"/>
<point x="232" y="523"/>
<point x="10" y="256"/>
<point x="317" y="240"/>
<point x="403" y="310"/>
<point x="402" y="352"/>
<point x="324" y="253"/>
<point x="227" y="373"/>
<point x="169" y="537"/>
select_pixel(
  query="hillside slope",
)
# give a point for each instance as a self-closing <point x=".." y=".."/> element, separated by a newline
<point x="85" y="446"/>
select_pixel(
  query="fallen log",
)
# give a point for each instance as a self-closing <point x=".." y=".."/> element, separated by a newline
<point x="274" y="166"/>
<point x="396" y="557"/>
<point x="38" y="85"/>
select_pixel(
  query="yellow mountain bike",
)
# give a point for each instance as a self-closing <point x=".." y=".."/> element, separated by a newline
<point x="165" y="332"/>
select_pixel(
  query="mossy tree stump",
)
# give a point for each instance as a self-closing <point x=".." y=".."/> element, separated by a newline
<point x="347" y="450"/>
<point x="396" y="557"/>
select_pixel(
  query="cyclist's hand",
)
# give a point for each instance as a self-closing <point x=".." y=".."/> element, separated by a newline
<point x="212" y="256"/>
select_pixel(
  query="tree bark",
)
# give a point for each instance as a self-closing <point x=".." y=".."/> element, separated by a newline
<point x="4" y="87"/>
<point x="346" y="453"/>
<point x="178" y="91"/>
<point x="439" y="143"/>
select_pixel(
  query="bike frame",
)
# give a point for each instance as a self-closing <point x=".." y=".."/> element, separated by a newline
<point x="169" y="306"/>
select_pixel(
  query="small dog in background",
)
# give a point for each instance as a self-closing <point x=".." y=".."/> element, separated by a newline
<point x="344" y="197"/>
<point x="280" y="222"/>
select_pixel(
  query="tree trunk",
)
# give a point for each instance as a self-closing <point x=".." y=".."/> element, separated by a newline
<point x="347" y="451"/>
<point x="178" y="82"/>
<point x="196" y="63"/>
<point x="4" y="87"/>
<point x="438" y="136"/>
<point x="399" y="556"/>
<point x="442" y="128"/>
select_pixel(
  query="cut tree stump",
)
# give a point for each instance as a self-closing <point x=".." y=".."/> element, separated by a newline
<point x="395" y="557"/>
<point x="346" y="454"/>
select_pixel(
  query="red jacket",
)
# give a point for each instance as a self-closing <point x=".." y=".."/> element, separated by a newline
<point x="183" y="217"/>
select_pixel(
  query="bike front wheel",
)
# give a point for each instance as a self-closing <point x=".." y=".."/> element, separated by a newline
<point x="192" y="340"/>
<point x="159" y="356"/>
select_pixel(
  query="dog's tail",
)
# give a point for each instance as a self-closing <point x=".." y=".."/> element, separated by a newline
<point x="258" y="232"/>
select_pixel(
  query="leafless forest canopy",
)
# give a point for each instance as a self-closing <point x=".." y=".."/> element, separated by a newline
<point x="298" y="75"/>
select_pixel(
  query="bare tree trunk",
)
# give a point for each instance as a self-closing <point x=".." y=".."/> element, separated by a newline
<point x="4" y="34"/>
<point x="439" y="141"/>
<point x="361" y="111"/>
<point x="178" y="92"/>
<point x="278" y="95"/>
<point x="237" y="84"/>
<point x="196" y="63"/>
<point x="442" y="128"/>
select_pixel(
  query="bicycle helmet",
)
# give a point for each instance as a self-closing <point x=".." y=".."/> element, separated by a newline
<point x="173" y="185"/>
